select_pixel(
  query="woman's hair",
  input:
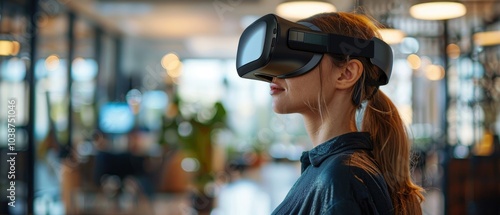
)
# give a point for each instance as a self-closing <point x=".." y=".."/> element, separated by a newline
<point x="381" y="119"/>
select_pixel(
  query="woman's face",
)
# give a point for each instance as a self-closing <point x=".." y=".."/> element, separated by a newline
<point x="301" y="94"/>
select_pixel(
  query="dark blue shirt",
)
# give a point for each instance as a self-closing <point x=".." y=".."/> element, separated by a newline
<point x="334" y="180"/>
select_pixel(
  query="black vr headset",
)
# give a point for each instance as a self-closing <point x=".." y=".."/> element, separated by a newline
<point x="275" y="47"/>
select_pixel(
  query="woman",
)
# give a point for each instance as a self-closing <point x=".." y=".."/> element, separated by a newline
<point x="348" y="171"/>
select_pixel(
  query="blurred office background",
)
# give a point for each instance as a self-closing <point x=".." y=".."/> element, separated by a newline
<point x="135" y="106"/>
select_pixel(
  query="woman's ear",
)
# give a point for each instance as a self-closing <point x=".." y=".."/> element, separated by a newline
<point x="349" y="74"/>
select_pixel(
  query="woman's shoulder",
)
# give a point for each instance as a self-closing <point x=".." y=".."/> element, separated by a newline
<point x="350" y="164"/>
<point x="337" y="168"/>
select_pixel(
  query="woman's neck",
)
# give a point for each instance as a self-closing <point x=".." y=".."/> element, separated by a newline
<point x="332" y="124"/>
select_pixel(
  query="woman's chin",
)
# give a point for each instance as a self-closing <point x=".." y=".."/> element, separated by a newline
<point x="280" y="109"/>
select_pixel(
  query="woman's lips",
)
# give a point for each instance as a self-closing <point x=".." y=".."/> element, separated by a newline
<point x="275" y="89"/>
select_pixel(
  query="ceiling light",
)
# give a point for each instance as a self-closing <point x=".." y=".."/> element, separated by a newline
<point x="414" y="61"/>
<point x="441" y="10"/>
<point x="170" y="61"/>
<point x="391" y="35"/>
<point x="487" y="38"/>
<point x="434" y="72"/>
<point x="295" y="10"/>
<point x="52" y="62"/>
<point x="9" y="47"/>
<point x="453" y="51"/>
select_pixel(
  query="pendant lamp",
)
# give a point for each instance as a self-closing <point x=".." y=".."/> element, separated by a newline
<point x="437" y="10"/>
<point x="487" y="38"/>
<point x="295" y="10"/>
<point x="9" y="47"/>
<point x="391" y="35"/>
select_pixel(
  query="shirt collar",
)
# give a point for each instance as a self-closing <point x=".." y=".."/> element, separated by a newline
<point x="344" y="142"/>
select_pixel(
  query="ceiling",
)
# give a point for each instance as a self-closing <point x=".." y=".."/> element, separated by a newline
<point x="211" y="28"/>
<point x="179" y="19"/>
<point x="191" y="28"/>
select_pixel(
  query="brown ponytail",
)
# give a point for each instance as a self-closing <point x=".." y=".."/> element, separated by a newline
<point x="392" y="153"/>
<point x="381" y="118"/>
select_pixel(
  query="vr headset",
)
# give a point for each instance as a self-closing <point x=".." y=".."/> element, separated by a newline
<point x="275" y="47"/>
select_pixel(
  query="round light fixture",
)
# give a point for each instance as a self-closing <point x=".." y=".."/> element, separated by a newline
<point x="391" y="35"/>
<point x="434" y="72"/>
<point x="414" y="61"/>
<point x="295" y="10"/>
<point x="9" y="47"/>
<point x="170" y="61"/>
<point x="487" y="38"/>
<point x="438" y="10"/>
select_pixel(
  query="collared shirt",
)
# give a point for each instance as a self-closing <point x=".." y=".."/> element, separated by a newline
<point x="331" y="184"/>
